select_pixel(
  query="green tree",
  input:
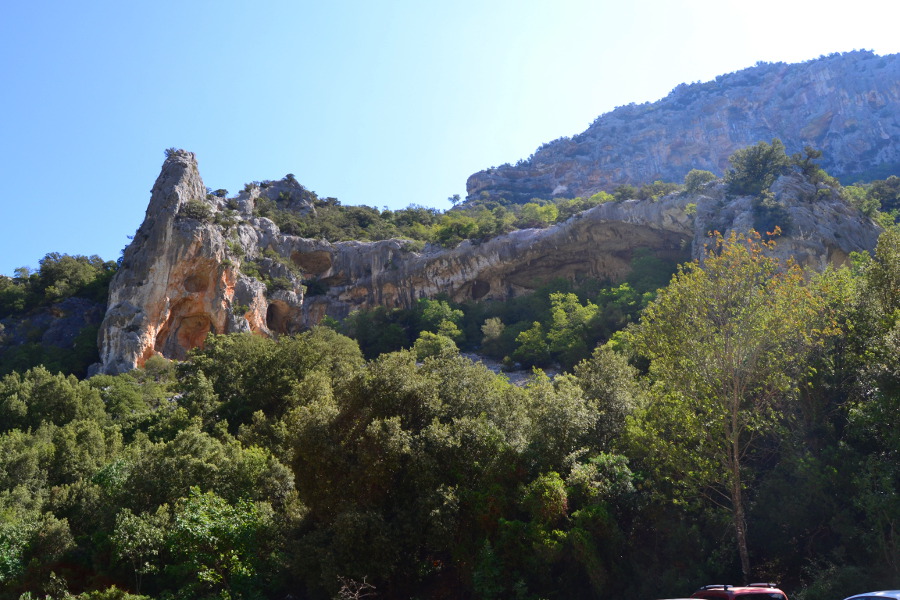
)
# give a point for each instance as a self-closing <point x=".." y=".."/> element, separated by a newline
<point x="37" y="396"/>
<point x="532" y="349"/>
<point x="418" y="445"/>
<point x="696" y="179"/>
<point x="562" y="420"/>
<point x="534" y="214"/>
<point x="139" y="539"/>
<point x="859" y="197"/>
<point x="30" y="546"/>
<point x="883" y="277"/>
<point x="600" y="197"/>
<point x="805" y="161"/>
<point x="887" y="192"/>
<point x="454" y="227"/>
<point x="613" y="389"/>
<point x="62" y="275"/>
<point x="248" y="373"/>
<point x="571" y="334"/>
<point x="13" y="295"/>
<point x="625" y="192"/>
<point x="727" y="341"/>
<point x="433" y="344"/>
<point x="755" y="168"/>
<point x="437" y="316"/>
<point x="491" y="331"/>
<point x="656" y="190"/>
<point x="873" y="421"/>
<point x="196" y="209"/>
<point x="217" y="543"/>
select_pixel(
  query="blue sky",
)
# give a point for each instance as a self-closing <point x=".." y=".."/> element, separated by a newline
<point x="379" y="103"/>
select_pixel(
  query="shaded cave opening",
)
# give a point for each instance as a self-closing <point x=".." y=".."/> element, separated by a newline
<point x="281" y="318"/>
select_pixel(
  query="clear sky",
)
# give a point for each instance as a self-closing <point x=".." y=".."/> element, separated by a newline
<point x="385" y="103"/>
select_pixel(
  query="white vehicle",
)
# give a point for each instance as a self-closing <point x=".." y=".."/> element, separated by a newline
<point x="886" y="595"/>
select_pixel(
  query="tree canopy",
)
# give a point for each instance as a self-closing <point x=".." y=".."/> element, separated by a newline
<point x="728" y="340"/>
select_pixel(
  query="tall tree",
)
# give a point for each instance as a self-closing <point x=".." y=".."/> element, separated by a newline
<point x="727" y="341"/>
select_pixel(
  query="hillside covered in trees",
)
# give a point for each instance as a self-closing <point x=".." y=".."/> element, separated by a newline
<point x="732" y="418"/>
<point x="264" y="468"/>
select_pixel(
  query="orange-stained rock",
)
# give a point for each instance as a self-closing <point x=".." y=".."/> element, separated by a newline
<point x="183" y="277"/>
<point x="176" y="283"/>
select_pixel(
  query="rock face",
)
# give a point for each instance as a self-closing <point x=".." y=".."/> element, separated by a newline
<point x="56" y="326"/>
<point x="201" y="264"/>
<point x="847" y="105"/>
<point x="176" y="283"/>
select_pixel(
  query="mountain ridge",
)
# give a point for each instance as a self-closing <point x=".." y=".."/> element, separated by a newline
<point x="843" y="104"/>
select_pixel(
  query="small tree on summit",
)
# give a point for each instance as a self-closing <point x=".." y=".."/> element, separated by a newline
<point x="755" y="168"/>
<point x="696" y="179"/>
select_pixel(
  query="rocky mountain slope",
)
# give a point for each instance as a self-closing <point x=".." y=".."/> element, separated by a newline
<point x="847" y="105"/>
<point x="201" y="264"/>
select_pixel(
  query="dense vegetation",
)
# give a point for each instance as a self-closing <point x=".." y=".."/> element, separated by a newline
<point x="477" y="219"/>
<point x="738" y="420"/>
<point x="260" y="468"/>
<point x="556" y="326"/>
<point x="59" y="276"/>
<point x="28" y="296"/>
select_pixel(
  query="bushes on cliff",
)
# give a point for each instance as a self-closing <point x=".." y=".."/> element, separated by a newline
<point x="196" y="209"/>
<point x="755" y="168"/>
<point x="879" y="199"/>
<point x="559" y="324"/>
<point x="74" y="360"/>
<point x="59" y="276"/>
<point x="696" y="179"/>
<point x="477" y="220"/>
<point x="33" y="299"/>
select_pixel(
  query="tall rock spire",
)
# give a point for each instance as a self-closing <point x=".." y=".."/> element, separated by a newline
<point x="175" y="285"/>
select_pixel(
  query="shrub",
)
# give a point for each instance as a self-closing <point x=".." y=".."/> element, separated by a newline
<point x="755" y="168"/>
<point x="279" y="283"/>
<point x="656" y="190"/>
<point x="625" y="192"/>
<point x="251" y="269"/>
<point x="196" y="209"/>
<point x="696" y="179"/>
<point x="226" y="219"/>
<point x="769" y="214"/>
<point x="414" y="246"/>
<point x="433" y="344"/>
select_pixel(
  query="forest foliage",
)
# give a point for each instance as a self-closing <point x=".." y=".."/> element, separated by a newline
<point x="730" y="419"/>
<point x="258" y="468"/>
<point x="31" y="300"/>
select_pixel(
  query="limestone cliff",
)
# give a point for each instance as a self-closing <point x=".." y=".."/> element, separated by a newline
<point x="175" y="283"/>
<point x="847" y="105"/>
<point x="201" y="264"/>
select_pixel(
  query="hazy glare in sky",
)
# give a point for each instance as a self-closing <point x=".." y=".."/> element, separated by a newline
<point x="386" y="104"/>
